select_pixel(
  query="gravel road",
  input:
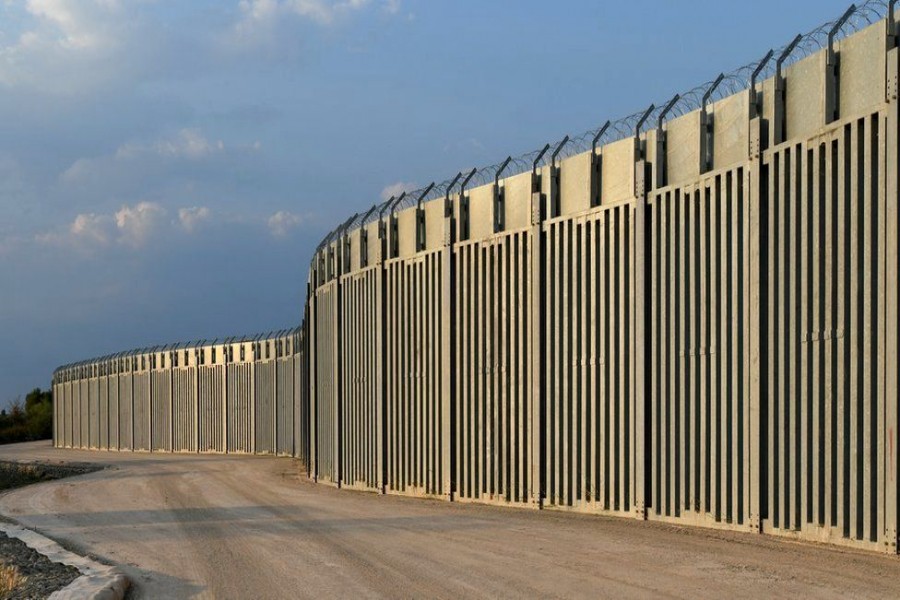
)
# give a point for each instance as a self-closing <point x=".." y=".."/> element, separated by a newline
<point x="248" y="527"/>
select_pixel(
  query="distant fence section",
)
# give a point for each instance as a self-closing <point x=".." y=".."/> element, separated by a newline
<point x="688" y="315"/>
<point x="241" y="395"/>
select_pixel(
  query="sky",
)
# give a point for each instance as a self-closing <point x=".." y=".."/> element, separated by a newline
<point x="167" y="167"/>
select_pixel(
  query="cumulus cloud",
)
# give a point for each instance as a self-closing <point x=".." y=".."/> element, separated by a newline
<point x="189" y="218"/>
<point x="282" y="222"/>
<point x="92" y="228"/>
<point x="88" y="230"/>
<point x="136" y="224"/>
<point x="395" y="189"/>
<point x="131" y="226"/>
<point x="66" y="45"/>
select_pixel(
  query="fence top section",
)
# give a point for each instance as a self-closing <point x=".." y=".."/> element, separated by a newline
<point x="734" y="97"/>
<point x="272" y="345"/>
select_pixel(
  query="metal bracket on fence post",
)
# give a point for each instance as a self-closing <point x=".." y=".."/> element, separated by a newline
<point x="394" y="241"/>
<point x="639" y="175"/>
<point x="661" y="162"/>
<point x="448" y="211"/>
<point x="706" y="127"/>
<point x="382" y="231"/>
<point x="781" y="91"/>
<point x="597" y="167"/>
<point x="891" y="26"/>
<point x="463" y="224"/>
<point x="344" y="240"/>
<point x="832" y="70"/>
<point x="364" y="239"/>
<point x="499" y="198"/>
<point x="755" y="97"/>
<point x="448" y="205"/>
<point x="420" y="219"/>
<point x="537" y="184"/>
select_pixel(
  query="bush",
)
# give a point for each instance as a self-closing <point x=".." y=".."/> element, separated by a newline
<point x="33" y="421"/>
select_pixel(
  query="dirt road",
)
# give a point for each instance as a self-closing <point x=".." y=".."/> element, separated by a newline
<point x="249" y="527"/>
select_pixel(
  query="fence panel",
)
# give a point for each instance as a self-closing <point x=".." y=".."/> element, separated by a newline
<point x="114" y="409"/>
<point x="83" y="438"/>
<point x="700" y="438"/>
<point x="239" y="411"/>
<point x="824" y="422"/>
<point x="126" y="411"/>
<point x="161" y="407"/>
<point x="361" y="399"/>
<point x="103" y="440"/>
<point x="184" y="403"/>
<point x="302" y="406"/>
<point x="284" y="405"/>
<point x="141" y="383"/>
<point x="264" y="405"/>
<point x="327" y="462"/>
<point x="413" y="407"/>
<point x="493" y="423"/>
<point x="591" y="458"/>
<point x="211" y="412"/>
<point x="93" y="413"/>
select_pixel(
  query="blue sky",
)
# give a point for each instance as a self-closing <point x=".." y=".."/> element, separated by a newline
<point x="167" y="167"/>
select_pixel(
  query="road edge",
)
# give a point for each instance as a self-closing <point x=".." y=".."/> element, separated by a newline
<point x="97" y="581"/>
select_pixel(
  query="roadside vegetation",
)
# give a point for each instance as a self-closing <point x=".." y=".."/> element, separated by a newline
<point x="29" y="420"/>
<point x="10" y="580"/>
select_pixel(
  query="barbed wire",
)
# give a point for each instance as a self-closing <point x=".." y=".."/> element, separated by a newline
<point x="856" y="18"/>
<point x="177" y="346"/>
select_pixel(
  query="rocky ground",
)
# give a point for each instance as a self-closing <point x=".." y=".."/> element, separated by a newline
<point x="25" y="573"/>
<point x="35" y="576"/>
<point x="14" y="475"/>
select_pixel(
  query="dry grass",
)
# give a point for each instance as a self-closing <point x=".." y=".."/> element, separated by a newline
<point x="10" y="579"/>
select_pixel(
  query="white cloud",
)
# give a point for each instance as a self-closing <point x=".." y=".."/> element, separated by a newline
<point x="138" y="223"/>
<point x="191" y="217"/>
<point x="261" y="19"/>
<point x="281" y="223"/>
<point x="188" y="143"/>
<point x="395" y="189"/>
<point x="131" y="226"/>
<point x="76" y="24"/>
<point x="88" y="230"/>
<point x="322" y="12"/>
<point x="66" y="45"/>
<point x="92" y="228"/>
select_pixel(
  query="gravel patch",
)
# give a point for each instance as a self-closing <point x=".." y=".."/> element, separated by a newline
<point x="42" y="577"/>
<point x="14" y="475"/>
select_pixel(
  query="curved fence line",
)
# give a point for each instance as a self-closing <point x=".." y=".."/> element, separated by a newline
<point x="688" y="315"/>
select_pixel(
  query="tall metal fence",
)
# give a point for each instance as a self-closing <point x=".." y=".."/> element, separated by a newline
<point x="236" y="395"/>
<point x="687" y="315"/>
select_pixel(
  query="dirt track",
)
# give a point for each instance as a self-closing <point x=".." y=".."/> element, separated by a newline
<point x="248" y="527"/>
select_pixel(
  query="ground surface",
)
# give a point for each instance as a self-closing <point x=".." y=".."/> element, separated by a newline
<point x="248" y="527"/>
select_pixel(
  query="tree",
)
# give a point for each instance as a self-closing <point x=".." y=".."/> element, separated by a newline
<point x="32" y="420"/>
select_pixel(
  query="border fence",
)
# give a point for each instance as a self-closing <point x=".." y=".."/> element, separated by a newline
<point x="687" y="315"/>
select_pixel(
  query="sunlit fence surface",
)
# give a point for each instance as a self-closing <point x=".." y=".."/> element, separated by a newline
<point x="687" y="315"/>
